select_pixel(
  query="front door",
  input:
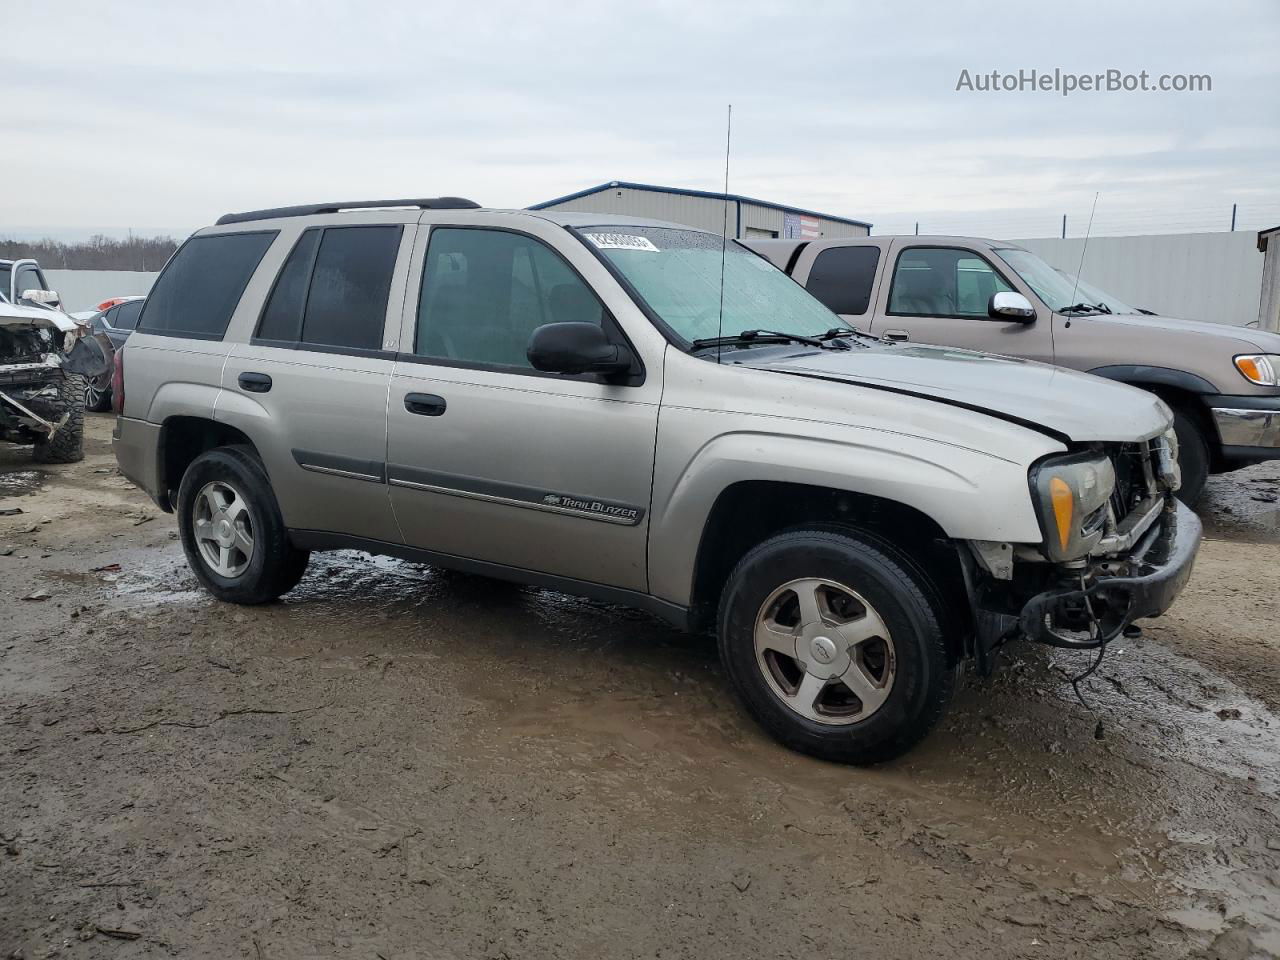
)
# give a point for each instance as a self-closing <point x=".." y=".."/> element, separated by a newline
<point x="489" y="459"/>
<point x="940" y="294"/>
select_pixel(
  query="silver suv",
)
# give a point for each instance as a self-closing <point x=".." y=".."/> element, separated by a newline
<point x="629" y="410"/>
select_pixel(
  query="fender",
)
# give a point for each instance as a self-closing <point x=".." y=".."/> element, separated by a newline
<point x="1142" y="375"/>
<point x="973" y="496"/>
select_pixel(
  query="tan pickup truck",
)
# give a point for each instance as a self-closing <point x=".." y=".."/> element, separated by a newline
<point x="1223" y="382"/>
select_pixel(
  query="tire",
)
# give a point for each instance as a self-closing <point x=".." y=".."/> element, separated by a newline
<point x="1193" y="456"/>
<point x="95" y="400"/>
<point x="865" y="587"/>
<point x="261" y="563"/>
<point x="67" y="444"/>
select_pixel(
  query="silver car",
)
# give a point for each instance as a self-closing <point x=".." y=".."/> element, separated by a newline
<point x="644" y="413"/>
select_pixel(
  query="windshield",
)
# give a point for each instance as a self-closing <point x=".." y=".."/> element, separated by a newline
<point x="677" y="273"/>
<point x="5" y="273"/>
<point x="1055" y="288"/>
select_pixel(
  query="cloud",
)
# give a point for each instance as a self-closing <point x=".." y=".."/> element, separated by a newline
<point x="167" y="113"/>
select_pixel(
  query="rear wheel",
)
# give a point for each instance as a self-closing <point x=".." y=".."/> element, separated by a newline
<point x="1193" y="456"/>
<point x="232" y="531"/>
<point x="834" y="643"/>
<point x="67" y="443"/>
<point x="95" y="400"/>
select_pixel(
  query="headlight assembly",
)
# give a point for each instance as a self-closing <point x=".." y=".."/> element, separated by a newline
<point x="1260" y="368"/>
<point x="1071" y="494"/>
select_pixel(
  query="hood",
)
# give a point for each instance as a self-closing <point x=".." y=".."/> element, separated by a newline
<point x="1074" y="405"/>
<point x="1252" y="341"/>
<point x="16" y="315"/>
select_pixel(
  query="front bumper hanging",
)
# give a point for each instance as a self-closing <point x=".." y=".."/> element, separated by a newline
<point x="1154" y="573"/>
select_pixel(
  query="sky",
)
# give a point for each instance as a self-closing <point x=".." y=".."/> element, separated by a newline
<point x="159" y="117"/>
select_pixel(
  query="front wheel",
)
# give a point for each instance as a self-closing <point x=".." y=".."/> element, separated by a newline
<point x="67" y="443"/>
<point x="1193" y="456"/>
<point x="232" y="531"/>
<point x="834" y="643"/>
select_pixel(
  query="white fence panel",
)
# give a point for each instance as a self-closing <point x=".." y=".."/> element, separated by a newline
<point x="85" y="289"/>
<point x="1197" y="276"/>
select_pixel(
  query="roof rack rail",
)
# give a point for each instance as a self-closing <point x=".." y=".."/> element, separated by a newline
<point x="306" y="209"/>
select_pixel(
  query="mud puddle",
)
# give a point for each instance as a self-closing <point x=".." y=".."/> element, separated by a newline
<point x="619" y="708"/>
<point x="18" y="483"/>
<point x="1243" y="505"/>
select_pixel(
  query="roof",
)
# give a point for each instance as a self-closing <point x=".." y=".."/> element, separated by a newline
<point x="1264" y="236"/>
<point x="707" y="194"/>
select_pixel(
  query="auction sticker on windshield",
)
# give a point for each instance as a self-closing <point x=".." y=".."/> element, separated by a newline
<point x="622" y="241"/>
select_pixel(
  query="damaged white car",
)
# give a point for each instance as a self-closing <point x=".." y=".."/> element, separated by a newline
<point x="46" y="358"/>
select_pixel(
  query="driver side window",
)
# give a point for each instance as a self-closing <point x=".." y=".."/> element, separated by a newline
<point x="485" y="291"/>
<point x="943" y="282"/>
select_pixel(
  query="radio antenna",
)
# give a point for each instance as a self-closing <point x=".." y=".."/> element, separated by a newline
<point x="724" y="234"/>
<point x="1083" y="247"/>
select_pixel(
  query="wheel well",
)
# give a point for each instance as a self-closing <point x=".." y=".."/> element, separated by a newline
<point x="1193" y="406"/>
<point x="750" y="512"/>
<point x="182" y="439"/>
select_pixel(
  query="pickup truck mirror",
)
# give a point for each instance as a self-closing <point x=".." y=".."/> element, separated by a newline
<point x="46" y="297"/>
<point x="576" y="348"/>
<point x="1008" y="305"/>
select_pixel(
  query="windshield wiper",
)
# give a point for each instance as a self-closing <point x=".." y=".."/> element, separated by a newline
<point x="839" y="333"/>
<point x="1085" y="308"/>
<point x="758" y="336"/>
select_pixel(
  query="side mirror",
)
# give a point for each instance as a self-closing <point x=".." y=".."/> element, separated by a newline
<point x="1007" y="305"/>
<point x="46" y="297"/>
<point x="576" y="348"/>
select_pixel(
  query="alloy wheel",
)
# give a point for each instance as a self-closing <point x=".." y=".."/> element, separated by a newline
<point x="223" y="529"/>
<point x="824" y="651"/>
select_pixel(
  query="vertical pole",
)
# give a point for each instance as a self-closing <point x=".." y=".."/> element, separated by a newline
<point x="917" y="228"/>
<point x="1064" y="226"/>
<point x="1233" y="218"/>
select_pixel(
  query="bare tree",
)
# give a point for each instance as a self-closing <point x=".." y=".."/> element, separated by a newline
<point x="97" y="253"/>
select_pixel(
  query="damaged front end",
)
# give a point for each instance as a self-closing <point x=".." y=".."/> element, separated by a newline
<point x="45" y="358"/>
<point x="1118" y="547"/>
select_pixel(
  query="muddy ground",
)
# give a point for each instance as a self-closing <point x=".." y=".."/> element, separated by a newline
<point x="402" y="762"/>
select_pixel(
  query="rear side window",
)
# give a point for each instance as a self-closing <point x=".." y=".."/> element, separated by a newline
<point x="126" y="315"/>
<point x="842" y="278"/>
<point x="282" y="317"/>
<point x="199" y="288"/>
<point x="332" y="290"/>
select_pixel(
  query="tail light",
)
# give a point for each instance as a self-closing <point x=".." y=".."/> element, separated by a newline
<point x="117" y="382"/>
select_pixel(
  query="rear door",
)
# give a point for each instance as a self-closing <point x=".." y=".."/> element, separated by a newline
<point x="939" y="294"/>
<point x="314" y="375"/>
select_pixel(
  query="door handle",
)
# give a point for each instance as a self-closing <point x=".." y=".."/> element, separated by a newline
<point x="424" y="404"/>
<point x="897" y="335"/>
<point x="254" y="382"/>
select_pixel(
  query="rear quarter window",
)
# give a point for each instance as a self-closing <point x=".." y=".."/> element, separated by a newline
<point x="201" y="285"/>
<point x="842" y="277"/>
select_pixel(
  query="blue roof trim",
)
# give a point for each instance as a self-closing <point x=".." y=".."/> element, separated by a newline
<point x="683" y="192"/>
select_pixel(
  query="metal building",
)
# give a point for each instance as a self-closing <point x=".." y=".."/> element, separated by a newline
<point x="706" y="211"/>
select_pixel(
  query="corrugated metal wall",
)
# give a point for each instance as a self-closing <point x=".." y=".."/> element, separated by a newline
<point x="704" y="213"/>
<point x="85" y="289"/>
<point x="1197" y="276"/>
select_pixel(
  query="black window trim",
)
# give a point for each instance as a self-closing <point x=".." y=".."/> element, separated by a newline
<point x="875" y="273"/>
<point x="376" y="353"/>
<point x="893" y="280"/>
<point x="188" y="335"/>
<point x="609" y="322"/>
